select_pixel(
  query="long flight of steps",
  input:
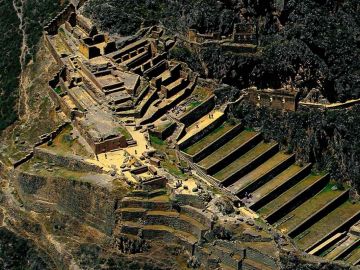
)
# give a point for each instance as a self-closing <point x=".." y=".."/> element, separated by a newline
<point x="151" y="216"/>
<point x="306" y="205"/>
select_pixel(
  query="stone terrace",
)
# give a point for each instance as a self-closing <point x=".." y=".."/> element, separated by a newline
<point x="291" y="197"/>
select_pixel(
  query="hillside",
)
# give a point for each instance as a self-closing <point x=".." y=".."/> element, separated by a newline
<point x="21" y="24"/>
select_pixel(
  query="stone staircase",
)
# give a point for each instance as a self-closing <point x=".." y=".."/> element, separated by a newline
<point x="306" y="205"/>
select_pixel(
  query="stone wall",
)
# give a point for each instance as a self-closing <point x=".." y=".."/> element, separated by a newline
<point x="52" y="27"/>
<point x="202" y="133"/>
<point x="215" y="144"/>
<point x="196" y="113"/>
<point x="87" y="200"/>
<point x="70" y="161"/>
<point x="53" y="51"/>
<point x="279" y="99"/>
<point x="298" y="199"/>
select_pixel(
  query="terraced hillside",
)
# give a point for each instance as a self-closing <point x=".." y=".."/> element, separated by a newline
<point x="302" y="203"/>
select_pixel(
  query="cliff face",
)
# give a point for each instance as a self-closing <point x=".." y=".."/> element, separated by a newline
<point x="84" y="199"/>
<point x="310" y="44"/>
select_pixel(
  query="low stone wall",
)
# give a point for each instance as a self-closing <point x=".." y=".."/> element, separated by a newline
<point x="147" y="104"/>
<point x="43" y="139"/>
<point x="257" y="256"/>
<point x="167" y="237"/>
<point x="197" y="214"/>
<point x="201" y="134"/>
<point x="70" y="161"/>
<point x="332" y="106"/>
<point x="134" y="203"/>
<point x="163" y="110"/>
<point x="88" y="200"/>
<point x="199" y="111"/>
<point x="175" y="222"/>
<point x="53" y="51"/>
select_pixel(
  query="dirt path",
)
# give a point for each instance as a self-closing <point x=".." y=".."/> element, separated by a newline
<point x="24" y="49"/>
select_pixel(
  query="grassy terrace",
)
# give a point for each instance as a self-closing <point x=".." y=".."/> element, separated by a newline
<point x="227" y="148"/>
<point x="353" y="256"/>
<point x="327" y="224"/>
<point x="214" y="135"/>
<point x="289" y="194"/>
<point x="243" y="160"/>
<point x="259" y="171"/>
<point x="278" y="180"/>
<point x="295" y="217"/>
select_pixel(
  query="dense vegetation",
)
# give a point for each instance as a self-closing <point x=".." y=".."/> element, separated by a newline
<point x="36" y="14"/>
<point x="10" y="44"/>
<point x="313" y="44"/>
<point x="17" y="253"/>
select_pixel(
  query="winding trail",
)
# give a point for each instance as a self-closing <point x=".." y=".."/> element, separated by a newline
<point x="23" y="52"/>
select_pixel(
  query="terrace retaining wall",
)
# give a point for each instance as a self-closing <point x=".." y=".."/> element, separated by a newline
<point x="297" y="200"/>
<point x="212" y="147"/>
<point x="202" y="133"/>
<point x="199" y="111"/>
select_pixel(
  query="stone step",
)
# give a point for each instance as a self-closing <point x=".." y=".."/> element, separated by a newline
<point x="160" y="232"/>
<point x="246" y="162"/>
<point x="213" y="141"/>
<point x="169" y="235"/>
<point x="227" y="256"/>
<point x="263" y="173"/>
<point x="354" y="257"/>
<point x="278" y="185"/>
<point x="196" y="214"/>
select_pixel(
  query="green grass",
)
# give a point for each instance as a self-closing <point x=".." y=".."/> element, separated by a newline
<point x="58" y="90"/>
<point x="243" y="160"/>
<point x="227" y="148"/>
<point x="193" y="105"/>
<point x="289" y="194"/>
<point x="155" y="141"/>
<point x="124" y="132"/>
<point x="327" y="224"/>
